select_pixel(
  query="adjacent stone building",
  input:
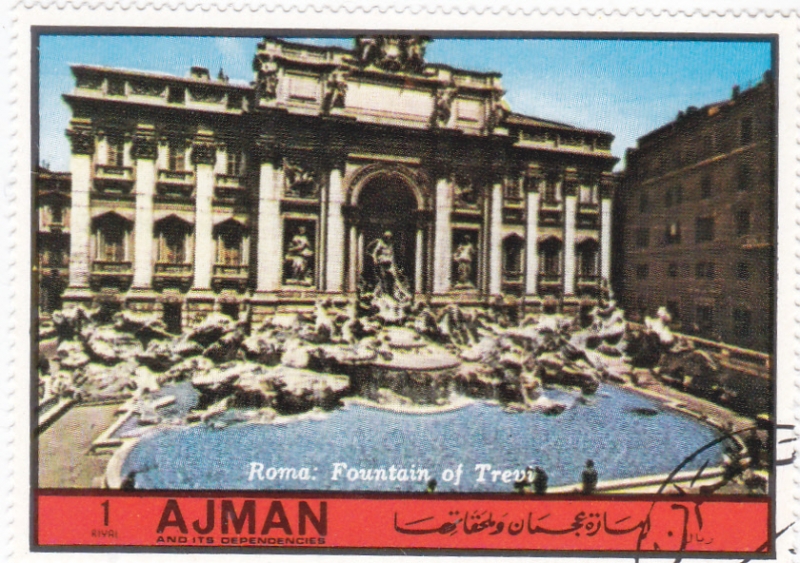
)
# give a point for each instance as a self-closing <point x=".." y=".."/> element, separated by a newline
<point x="52" y="236"/>
<point x="696" y="211"/>
<point x="195" y="194"/>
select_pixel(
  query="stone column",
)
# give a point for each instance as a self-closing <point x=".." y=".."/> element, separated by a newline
<point x="352" y="253"/>
<point x="204" y="156"/>
<point x="570" y="216"/>
<point x="145" y="151"/>
<point x="607" y="195"/>
<point x="270" y="232"/>
<point x="496" y="240"/>
<point x="418" y="252"/>
<point x="443" y="238"/>
<point x="80" y="166"/>
<point x="334" y="255"/>
<point x="532" y="194"/>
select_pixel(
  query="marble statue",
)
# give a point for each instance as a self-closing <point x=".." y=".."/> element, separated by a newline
<point x="298" y="256"/>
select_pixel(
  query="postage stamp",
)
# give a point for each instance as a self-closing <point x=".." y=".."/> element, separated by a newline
<point x="334" y="282"/>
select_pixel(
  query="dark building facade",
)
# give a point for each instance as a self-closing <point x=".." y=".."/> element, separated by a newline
<point x="696" y="212"/>
<point x="52" y="236"/>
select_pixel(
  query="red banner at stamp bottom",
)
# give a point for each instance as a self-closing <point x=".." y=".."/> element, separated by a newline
<point x="527" y="523"/>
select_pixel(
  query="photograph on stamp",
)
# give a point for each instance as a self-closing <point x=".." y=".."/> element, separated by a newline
<point x="421" y="266"/>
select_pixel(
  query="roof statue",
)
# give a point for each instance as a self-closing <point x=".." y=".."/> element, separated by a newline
<point x="394" y="53"/>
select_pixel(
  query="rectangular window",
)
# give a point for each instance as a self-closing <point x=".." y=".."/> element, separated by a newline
<point x="742" y="220"/>
<point x="746" y="131"/>
<point x="177" y="95"/>
<point x="743" y="271"/>
<point x="550" y="191"/>
<point x="642" y="238"/>
<point x="705" y="187"/>
<point x="672" y="270"/>
<point x="644" y="204"/>
<point x="116" y="152"/>
<point x="744" y="178"/>
<point x="668" y="197"/>
<point x="742" y="323"/>
<point x="176" y="157"/>
<point x="673" y="233"/>
<point x="704" y="229"/>
<point x="678" y="195"/>
<point x="705" y="319"/>
<point x="704" y="270"/>
<point x="642" y="271"/>
<point x="234" y="164"/>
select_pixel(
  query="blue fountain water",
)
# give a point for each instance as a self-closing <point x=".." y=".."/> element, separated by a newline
<point x="607" y="429"/>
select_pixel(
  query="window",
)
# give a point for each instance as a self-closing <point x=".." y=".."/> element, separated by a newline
<point x="116" y="152"/>
<point x="705" y="187"/>
<point x="742" y="221"/>
<point x="116" y="87"/>
<point x="234" y="164"/>
<point x="704" y="229"/>
<point x="705" y="319"/>
<point x="550" y="258"/>
<point x="742" y="271"/>
<point x="674" y="310"/>
<point x="111" y="241"/>
<point x="642" y="238"/>
<point x="176" y="156"/>
<point x="744" y="178"/>
<point x="644" y="203"/>
<point x="56" y="214"/>
<point x="673" y="196"/>
<point x="672" y="270"/>
<point x="587" y="255"/>
<point x="587" y="195"/>
<point x="746" y="131"/>
<point x="642" y="271"/>
<point x="550" y="191"/>
<point x="229" y="246"/>
<point x="173" y="238"/>
<point x="704" y="270"/>
<point x="742" y="323"/>
<point x="673" y="233"/>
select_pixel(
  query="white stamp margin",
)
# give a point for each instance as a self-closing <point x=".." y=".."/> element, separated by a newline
<point x="662" y="17"/>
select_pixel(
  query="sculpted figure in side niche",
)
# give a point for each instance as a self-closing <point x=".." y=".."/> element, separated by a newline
<point x="298" y="257"/>
<point x="444" y="102"/>
<point x="267" y="78"/>
<point x="335" y="90"/>
<point x="464" y="257"/>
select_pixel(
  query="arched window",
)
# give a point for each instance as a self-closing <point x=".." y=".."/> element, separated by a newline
<point x="174" y="241"/>
<point x="112" y="235"/>
<point x="587" y="255"/>
<point x="230" y="237"/>
<point x="550" y="257"/>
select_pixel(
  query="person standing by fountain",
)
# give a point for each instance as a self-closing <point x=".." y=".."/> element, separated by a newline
<point x="540" y="480"/>
<point x="589" y="478"/>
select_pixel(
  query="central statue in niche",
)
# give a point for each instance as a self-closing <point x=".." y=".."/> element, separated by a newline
<point x="390" y="280"/>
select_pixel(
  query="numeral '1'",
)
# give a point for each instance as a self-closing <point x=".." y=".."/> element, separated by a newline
<point x="105" y="512"/>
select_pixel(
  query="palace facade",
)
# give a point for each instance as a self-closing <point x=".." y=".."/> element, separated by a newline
<point x="696" y="212"/>
<point x="197" y="194"/>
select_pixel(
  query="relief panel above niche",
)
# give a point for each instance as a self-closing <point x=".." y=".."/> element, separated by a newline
<point x="302" y="87"/>
<point x="377" y="99"/>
